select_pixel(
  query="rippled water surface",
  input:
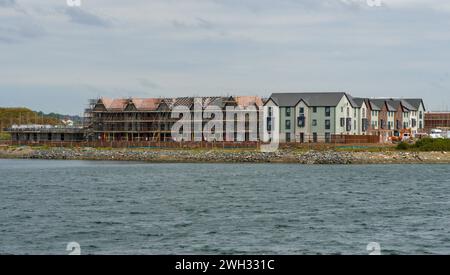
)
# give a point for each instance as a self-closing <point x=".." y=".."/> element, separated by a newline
<point x="138" y="208"/>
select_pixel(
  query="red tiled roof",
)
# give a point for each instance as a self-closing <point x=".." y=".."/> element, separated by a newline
<point x="117" y="104"/>
<point x="245" y="101"/>
<point x="105" y="101"/>
<point x="147" y="104"/>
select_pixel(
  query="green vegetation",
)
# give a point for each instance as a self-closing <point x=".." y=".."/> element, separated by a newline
<point x="76" y="119"/>
<point x="426" y="144"/>
<point x="10" y="116"/>
<point x="370" y="148"/>
<point x="5" y="136"/>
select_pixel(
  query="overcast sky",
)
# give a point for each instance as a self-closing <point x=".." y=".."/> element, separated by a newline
<point x="54" y="57"/>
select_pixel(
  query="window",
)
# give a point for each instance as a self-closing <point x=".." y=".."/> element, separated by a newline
<point x="314" y="109"/>
<point x="365" y="124"/>
<point x="348" y="112"/>
<point x="349" y="124"/>
<point x="342" y="109"/>
<point x="354" y="113"/>
<point x="314" y="137"/>
<point x="288" y="112"/>
<point x="327" y="137"/>
<point x="342" y="122"/>
<point x="288" y="125"/>
<point x="327" y="111"/>
<point x="288" y="137"/>
<point x="420" y="125"/>
<point x="327" y="124"/>
<point x="302" y="110"/>
<point x="314" y="122"/>
<point x="270" y="112"/>
<point x="269" y="124"/>
<point x="354" y="125"/>
<point x="382" y="124"/>
<point x="301" y="121"/>
<point x="420" y="115"/>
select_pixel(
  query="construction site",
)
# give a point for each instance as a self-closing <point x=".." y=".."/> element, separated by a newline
<point x="151" y="119"/>
<point x="224" y="121"/>
<point x="437" y="120"/>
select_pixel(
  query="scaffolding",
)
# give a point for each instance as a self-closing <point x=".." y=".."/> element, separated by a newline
<point x="437" y="120"/>
<point x="150" y="119"/>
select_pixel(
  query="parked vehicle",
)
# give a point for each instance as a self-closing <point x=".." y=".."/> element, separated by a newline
<point x="403" y="135"/>
<point x="437" y="133"/>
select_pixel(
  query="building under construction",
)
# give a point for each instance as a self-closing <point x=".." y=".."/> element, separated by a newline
<point x="151" y="119"/>
<point x="437" y="120"/>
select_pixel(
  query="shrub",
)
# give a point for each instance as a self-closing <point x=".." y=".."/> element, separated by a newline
<point x="426" y="144"/>
<point x="429" y="144"/>
<point x="5" y="136"/>
<point x="403" y="146"/>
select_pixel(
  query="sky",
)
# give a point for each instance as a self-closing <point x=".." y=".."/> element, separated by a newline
<point x="55" y="56"/>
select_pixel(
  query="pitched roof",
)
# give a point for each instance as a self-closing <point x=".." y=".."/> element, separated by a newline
<point x="245" y="101"/>
<point x="118" y="104"/>
<point x="147" y="104"/>
<point x="394" y="103"/>
<point x="390" y="106"/>
<point x="373" y="104"/>
<point x="180" y="101"/>
<point x="414" y="102"/>
<point x="359" y="101"/>
<point x="379" y="102"/>
<point x="105" y="101"/>
<point x="311" y="99"/>
<point x="214" y="101"/>
<point x="407" y="105"/>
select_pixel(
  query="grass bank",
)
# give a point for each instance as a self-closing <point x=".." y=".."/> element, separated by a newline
<point x="426" y="145"/>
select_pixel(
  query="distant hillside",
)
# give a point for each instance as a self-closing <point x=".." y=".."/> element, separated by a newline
<point x="9" y="116"/>
<point x="76" y="119"/>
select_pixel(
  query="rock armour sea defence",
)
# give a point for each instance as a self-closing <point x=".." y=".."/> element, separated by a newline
<point x="232" y="156"/>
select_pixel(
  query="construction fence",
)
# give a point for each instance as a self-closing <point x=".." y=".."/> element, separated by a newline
<point x="317" y="140"/>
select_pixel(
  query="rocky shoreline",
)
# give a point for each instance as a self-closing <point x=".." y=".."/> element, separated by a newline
<point x="226" y="156"/>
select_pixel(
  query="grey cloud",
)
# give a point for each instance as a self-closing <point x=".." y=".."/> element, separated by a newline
<point x="20" y="31"/>
<point x="148" y="84"/>
<point x="79" y="16"/>
<point x="12" y="4"/>
<point x="258" y="6"/>
<point x="8" y="3"/>
<point x="200" y="23"/>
